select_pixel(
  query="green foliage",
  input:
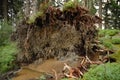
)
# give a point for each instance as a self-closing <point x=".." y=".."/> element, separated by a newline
<point x="116" y="40"/>
<point x="7" y="48"/>
<point x="43" y="7"/>
<point x="93" y="10"/>
<point x="65" y="79"/>
<point x="7" y="56"/>
<point x="32" y="18"/>
<point x="42" y="77"/>
<point x="101" y="33"/>
<point x="108" y="44"/>
<point x="5" y="31"/>
<point x="109" y="37"/>
<point x="109" y="71"/>
<point x="116" y="55"/>
<point x="69" y="5"/>
<point x="109" y="32"/>
<point x="104" y="39"/>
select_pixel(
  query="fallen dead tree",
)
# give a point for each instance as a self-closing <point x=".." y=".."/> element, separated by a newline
<point x="57" y="33"/>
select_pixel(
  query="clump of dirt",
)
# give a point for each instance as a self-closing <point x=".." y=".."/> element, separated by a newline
<point x="56" y="34"/>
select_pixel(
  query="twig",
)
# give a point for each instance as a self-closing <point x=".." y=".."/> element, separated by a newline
<point x="66" y="67"/>
<point x="56" y="77"/>
<point x="84" y="68"/>
<point x="93" y="62"/>
<point x="88" y="60"/>
<point x="69" y="76"/>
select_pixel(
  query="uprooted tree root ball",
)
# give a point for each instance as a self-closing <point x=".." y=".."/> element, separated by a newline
<point x="57" y="33"/>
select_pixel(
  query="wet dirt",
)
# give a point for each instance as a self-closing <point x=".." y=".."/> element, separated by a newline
<point x="34" y="71"/>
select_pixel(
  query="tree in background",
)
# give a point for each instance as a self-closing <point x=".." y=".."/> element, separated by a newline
<point x="112" y="14"/>
<point x="89" y="4"/>
<point x="9" y="9"/>
<point x="100" y="13"/>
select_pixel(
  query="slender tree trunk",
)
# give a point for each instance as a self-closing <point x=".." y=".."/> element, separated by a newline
<point x="34" y="7"/>
<point x="27" y="8"/>
<point x="5" y="10"/>
<point x="66" y="0"/>
<point x="85" y="3"/>
<point x="100" y="12"/>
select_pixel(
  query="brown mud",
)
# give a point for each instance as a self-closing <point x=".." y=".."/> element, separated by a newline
<point x="34" y="71"/>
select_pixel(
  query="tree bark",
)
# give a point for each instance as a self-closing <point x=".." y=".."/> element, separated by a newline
<point x="5" y="10"/>
<point x="34" y="7"/>
<point x="100" y="12"/>
<point x="27" y="8"/>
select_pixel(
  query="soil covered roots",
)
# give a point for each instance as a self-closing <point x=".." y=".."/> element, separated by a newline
<point x="57" y="34"/>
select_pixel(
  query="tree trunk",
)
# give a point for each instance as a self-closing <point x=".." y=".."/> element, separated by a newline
<point x="34" y="7"/>
<point x="5" y="10"/>
<point x="27" y="8"/>
<point x="100" y="12"/>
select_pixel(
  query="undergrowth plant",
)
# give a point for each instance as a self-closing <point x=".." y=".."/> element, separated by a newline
<point x="116" y="55"/>
<point x="116" y="40"/>
<point x="7" y="57"/>
<point x="69" y="5"/>
<point x="109" y="32"/>
<point x="109" y="71"/>
<point x="33" y="17"/>
<point x="108" y="44"/>
<point x="8" y="49"/>
<point x="5" y="31"/>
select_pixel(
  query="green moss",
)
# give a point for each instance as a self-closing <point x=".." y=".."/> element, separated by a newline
<point x="32" y="18"/>
<point x="7" y="56"/>
<point x="42" y="77"/>
<point x="40" y="13"/>
<point x="44" y="6"/>
<point x="109" y="71"/>
<point x="70" y="79"/>
<point x="110" y="32"/>
<point x="116" y="55"/>
<point x="65" y="79"/>
<point x="109" y="38"/>
<point x="93" y="10"/>
<point x="116" y="40"/>
<point x="69" y="5"/>
<point x="108" y="44"/>
<point x="101" y="33"/>
<point x="105" y="39"/>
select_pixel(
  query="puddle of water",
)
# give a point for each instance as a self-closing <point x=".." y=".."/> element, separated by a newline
<point x="33" y="71"/>
<point x="27" y="74"/>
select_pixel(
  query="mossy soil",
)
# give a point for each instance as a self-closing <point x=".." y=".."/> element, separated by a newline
<point x="110" y="39"/>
